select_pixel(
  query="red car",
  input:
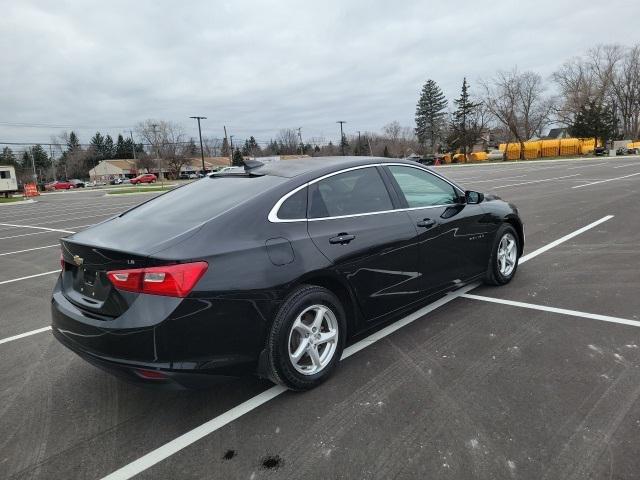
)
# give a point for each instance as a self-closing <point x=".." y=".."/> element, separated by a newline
<point x="144" y="178"/>
<point x="60" y="185"/>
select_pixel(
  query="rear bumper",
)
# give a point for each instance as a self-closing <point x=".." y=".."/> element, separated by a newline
<point x="134" y="372"/>
<point x="190" y="346"/>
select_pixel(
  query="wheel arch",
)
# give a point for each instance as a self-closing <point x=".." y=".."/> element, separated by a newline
<point x="516" y="223"/>
<point x="341" y="290"/>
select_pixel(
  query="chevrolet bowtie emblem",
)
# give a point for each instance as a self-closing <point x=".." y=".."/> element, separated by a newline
<point x="78" y="260"/>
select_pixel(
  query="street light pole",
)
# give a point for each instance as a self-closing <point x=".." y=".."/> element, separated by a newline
<point x="341" y="136"/>
<point x="301" y="144"/>
<point x="200" y="133"/>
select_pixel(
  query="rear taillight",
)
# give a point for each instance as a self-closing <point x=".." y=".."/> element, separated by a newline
<point x="62" y="262"/>
<point x="171" y="280"/>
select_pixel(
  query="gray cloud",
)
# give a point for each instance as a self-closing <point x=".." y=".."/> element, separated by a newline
<point x="261" y="66"/>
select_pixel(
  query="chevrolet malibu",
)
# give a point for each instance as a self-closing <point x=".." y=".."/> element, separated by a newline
<point x="273" y="269"/>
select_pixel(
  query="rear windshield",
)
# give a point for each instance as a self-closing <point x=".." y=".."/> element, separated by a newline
<point x="203" y="199"/>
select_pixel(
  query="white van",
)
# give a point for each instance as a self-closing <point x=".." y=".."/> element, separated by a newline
<point x="8" y="180"/>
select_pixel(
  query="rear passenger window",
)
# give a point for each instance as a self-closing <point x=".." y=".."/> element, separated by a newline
<point x="349" y="193"/>
<point x="294" y="207"/>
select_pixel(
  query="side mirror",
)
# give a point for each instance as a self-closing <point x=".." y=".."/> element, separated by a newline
<point x="473" y="197"/>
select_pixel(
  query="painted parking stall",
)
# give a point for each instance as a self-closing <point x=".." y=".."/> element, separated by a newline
<point x="473" y="385"/>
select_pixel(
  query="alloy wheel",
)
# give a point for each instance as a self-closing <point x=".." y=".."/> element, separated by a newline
<point x="507" y="254"/>
<point x="313" y="339"/>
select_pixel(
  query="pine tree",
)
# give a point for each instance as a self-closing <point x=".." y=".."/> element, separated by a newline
<point x="252" y="146"/>
<point x="246" y="150"/>
<point x="108" y="149"/>
<point x="238" y="160"/>
<point x="7" y="157"/>
<point x="121" y="148"/>
<point x="385" y="153"/>
<point x="430" y="113"/>
<point x="73" y="143"/>
<point x="465" y="111"/>
<point x="595" y="120"/>
<point x="97" y="146"/>
<point x="25" y="162"/>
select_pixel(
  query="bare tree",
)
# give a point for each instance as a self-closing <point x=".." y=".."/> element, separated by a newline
<point x="518" y="101"/>
<point x="606" y="75"/>
<point x="168" y="143"/>
<point x="288" y="141"/>
<point x="212" y="146"/>
<point x="625" y="90"/>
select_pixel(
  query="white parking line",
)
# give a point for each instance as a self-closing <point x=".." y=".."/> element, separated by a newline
<point x="111" y="214"/>
<point x="161" y="453"/>
<point x="3" y="282"/>
<point x="628" y="165"/>
<point x="492" y="179"/>
<point x="26" y="334"/>
<point x="192" y="436"/>
<point x="537" y="181"/>
<point x="587" y="166"/>
<point x="35" y="227"/>
<point x="29" y="249"/>
<point x="557" y="242"/>
<point x="29" y="234"/>
<point x="607" y="180"/>
<point x="563" y="311"/>
<point x="70" y="214"/>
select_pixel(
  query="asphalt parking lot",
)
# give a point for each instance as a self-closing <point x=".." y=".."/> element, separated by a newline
<point x="538" y="379"/>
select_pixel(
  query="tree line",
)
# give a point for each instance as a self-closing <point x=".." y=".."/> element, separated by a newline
<point x="597" y="95"/>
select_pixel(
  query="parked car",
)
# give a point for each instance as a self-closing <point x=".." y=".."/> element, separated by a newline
<point x="144" y="178"/>
<point x="59" y="185"/>
<point x="627" y="151"/>
<point x="272" y="270"/>
<point x="77" y="183"/>
<point x="601" y="152"/>
<point x="115" y="181"/>
<point x="495" y="155"/>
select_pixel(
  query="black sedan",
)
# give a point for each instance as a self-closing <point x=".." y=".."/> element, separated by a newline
<point x="273" y="269"/>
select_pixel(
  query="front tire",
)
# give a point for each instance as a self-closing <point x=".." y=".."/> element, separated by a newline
<point x="503" y="262"/>
<point x="306" y="339"/>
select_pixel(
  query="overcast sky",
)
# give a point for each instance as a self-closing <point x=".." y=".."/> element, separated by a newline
<point x="261" y="66"/>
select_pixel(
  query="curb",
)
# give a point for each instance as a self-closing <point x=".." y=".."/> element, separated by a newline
<point x="23" y="202"/>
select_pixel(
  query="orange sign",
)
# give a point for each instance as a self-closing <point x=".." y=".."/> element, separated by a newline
<point x="31" y="190"/>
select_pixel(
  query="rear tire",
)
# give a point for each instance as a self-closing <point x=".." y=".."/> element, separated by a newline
<point x="306" y="339"/>
<point x="503" y="262"/>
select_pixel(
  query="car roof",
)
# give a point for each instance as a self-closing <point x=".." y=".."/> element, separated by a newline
<point x="319" y="165"/>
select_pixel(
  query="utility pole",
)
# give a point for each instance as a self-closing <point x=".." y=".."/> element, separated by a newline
<point x="227" y="138"/>
<point x="133" y="146"/>
<point x="359" y="144"/>
<point x="33" y="163"/>
<point x="155" y="140"/>
<point x="201" y="147"/>
<point x="301" y="144"/>
<point x="232" y="152"/>
<point x="341" y="136"/>
<point x="51" y="158"/>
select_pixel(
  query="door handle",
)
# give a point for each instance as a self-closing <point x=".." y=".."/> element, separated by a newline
<point x="342" y="239"/>
<point x="426" y="223"/>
